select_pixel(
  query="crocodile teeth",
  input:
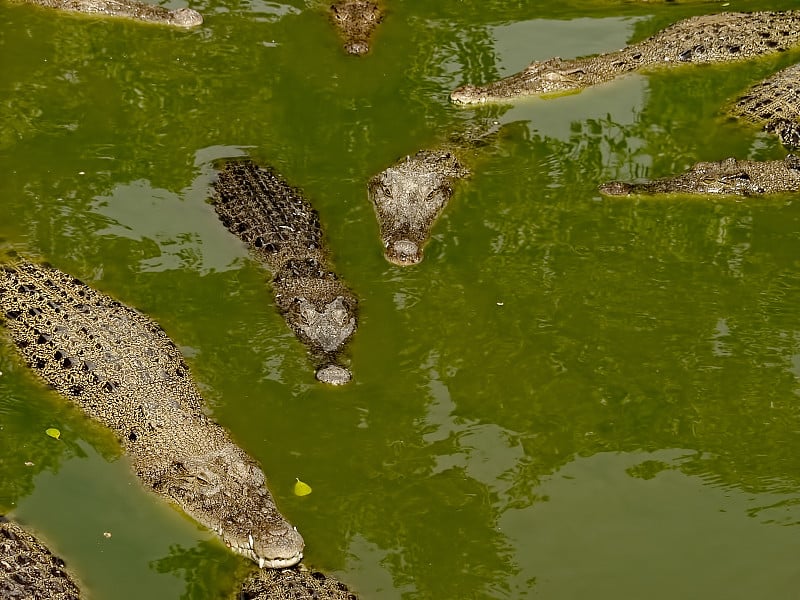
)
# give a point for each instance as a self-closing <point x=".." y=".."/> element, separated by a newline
<point x="250" y="541"/>
<point x="260" y="562"/>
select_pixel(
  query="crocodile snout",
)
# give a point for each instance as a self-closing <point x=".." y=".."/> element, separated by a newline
<point x="403" y="253"/>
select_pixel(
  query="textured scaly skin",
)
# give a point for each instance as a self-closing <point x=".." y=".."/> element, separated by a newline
<point x="774" y="103"/>
<point x="129" y="9"/>
<point x="282" y="230"/>
<point x="297" y="583"/>
<point x="729" y="177"/>
<point x="408" y="198"/>
<point x="29" y="570"/>
<point x="123" y="371"/>
<point x="720" y="38"/>
<point x="356" y="20"/>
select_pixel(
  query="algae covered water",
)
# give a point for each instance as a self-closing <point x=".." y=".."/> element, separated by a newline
<point x="570" y="396"/>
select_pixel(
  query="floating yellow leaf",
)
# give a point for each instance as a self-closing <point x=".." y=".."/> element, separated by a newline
<point x="53" y="433"/>
<point x="301" y="489"/>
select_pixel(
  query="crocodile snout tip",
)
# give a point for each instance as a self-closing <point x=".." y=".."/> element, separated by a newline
<point x="403" y="253"/>
<point x="186" y="17"/>
<point x="334" y="375"/>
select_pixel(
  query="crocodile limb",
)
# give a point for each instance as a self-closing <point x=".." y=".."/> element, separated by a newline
<point x="726" y="177"/>
<point x="355" y="20"/>
<point x="283" y="231"/>
<point x="28" y="569"/>
<point x="720" y="38"/>
<point x="129" y="9"/>
<point x="123" y="371"/>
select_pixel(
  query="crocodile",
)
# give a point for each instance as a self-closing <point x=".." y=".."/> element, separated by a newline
<point x="717" y="38"/>
<point x="356" y="20"/>
<point x="409" y="196"/>
<point x="28" y="569"/>
<point x="726" y="177"/>
<point x="283" y="231"/>
<point x="122" y="370"/>
<point x="774" y="103"/>
<point x="297" y="583"/>
<point x="130" y="9"/>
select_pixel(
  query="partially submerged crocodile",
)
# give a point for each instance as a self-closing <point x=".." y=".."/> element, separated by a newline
<point x="725" y="177"/>
<point x="774" y="103"/>
<point x="123" y="371"/>
<point x="28" y="570"/>
<point x="356" y="20"/>
<point x="282" y="229"/>
<point x="408" y="197"/>
<point x="130" y="9"/>
<point x="724" y="37"/>
<point x="296" y="583"/>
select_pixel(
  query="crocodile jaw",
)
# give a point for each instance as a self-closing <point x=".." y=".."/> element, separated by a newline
<point x="267" y="559"/>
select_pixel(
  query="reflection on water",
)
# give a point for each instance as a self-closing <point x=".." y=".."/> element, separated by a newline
<point x="182" y="234"/>
<point x="519" y="43"/>
<point x="600" y="514"/>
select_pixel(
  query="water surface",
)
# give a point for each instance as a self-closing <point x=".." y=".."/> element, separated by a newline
<point x="571" y="396"/>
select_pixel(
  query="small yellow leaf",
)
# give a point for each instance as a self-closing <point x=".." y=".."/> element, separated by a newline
<point x="301" y="489"/>
<point x="53" y="433"/>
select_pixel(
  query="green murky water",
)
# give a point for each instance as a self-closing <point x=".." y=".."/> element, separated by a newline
<point x="570" y="397"/>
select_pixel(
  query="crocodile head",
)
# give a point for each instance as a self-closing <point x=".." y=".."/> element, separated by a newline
<point x="185" y="17"/>
<point x="408" y="197"/>
<point x="355" y="20"/>
<point x="226" y="490"/>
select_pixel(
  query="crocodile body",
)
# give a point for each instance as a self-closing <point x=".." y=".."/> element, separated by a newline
<point x="355" y="20"/>
<point x="123" y="371"/>
<point x="774" y="103"/>
<point x="726" y="177"/>
<point x="408" y="197"/>
<point x="282" y="230"/>
<point x="724" y="37"/>
<point x="28" y="570"/>
<point x="130" y="9"/>
<point x="296" y="583"/>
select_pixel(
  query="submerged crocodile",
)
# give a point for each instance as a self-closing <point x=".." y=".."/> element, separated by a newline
<point x="28" y="570"/>
<point x="356" y="20"/>
<point x="725" y="177"/>
<point x="123" y="371"/>
<point x="724" y="37"/>
<point x="408" y="197"/>
<point x="282" y="229"/>
<point x="130" y="9"/>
